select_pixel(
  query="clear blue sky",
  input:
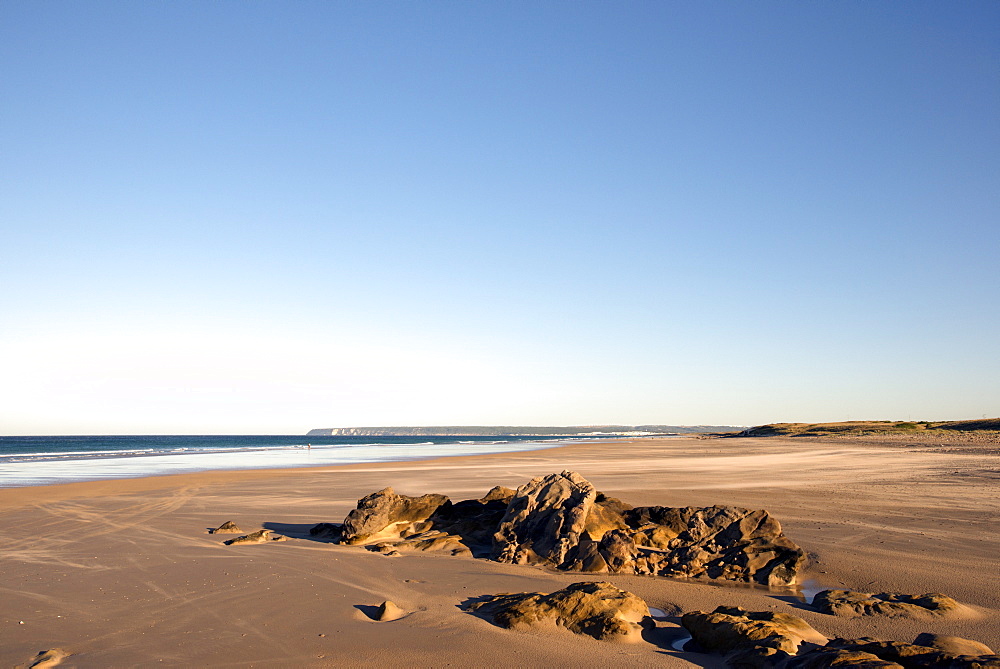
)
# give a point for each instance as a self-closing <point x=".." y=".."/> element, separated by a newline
<point x="230" y="217"/>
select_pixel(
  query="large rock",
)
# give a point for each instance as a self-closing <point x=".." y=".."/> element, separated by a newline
<point x="561" y="521"/>
<point x="725" y="542"/>
<point x="386" y="515"/>
<point x="597" y="609"/>
<point x="544" y="520"/>
<point x="850" y="604"/>
<point x="767" y="636"/>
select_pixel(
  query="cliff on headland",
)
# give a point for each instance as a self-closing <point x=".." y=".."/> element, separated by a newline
<point x="511" y="431"/>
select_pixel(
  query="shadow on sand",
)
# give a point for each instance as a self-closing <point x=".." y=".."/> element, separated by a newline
<point x="326" y="533"/>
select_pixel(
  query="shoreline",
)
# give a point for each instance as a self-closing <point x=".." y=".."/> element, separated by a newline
<point x="103" y="465"/>
<point x="122" y="572"/>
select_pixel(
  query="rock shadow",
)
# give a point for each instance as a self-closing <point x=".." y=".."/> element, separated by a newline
<point x="370" y="611"/>
<point x="677" y="641"/>
<point x="327" y="533"/>
<point x="796" y="602"/>
<point x="468" y="606"/>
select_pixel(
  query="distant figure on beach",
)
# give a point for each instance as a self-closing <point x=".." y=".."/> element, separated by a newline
<point x="309" y="447"/>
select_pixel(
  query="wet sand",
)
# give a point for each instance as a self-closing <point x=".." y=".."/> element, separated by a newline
<point x="124" y="573"/>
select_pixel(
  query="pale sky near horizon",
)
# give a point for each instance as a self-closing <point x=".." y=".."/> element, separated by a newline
<point x="269" y="217"/>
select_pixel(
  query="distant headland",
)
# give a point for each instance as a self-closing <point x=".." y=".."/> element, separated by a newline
<point x="519" y="431"/>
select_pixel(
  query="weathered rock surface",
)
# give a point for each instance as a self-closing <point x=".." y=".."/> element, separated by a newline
<point x="847" y="603"/>
<point x="597" y="609"/>
<point x="914" y="656"/>
<point x="561" y="521"/>
<point x="474" y="521"/>
<point x="386" y="515"/>
<point x="954" y="645"/>
<point x="258" y="537"/>
<point x="751" y="638"/>
<point x="228" y="527"/>
<point x="544" y="520"/>
<point x="822" y="658"/>
<point x="768" y="639"/>
<point x="724" y="542"/>
<point x="423" y="541"/>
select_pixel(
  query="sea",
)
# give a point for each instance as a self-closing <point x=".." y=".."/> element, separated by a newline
<point x="31" y="461"/>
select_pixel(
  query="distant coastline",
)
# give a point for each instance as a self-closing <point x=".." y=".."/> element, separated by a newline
<point x="520" y="431"/>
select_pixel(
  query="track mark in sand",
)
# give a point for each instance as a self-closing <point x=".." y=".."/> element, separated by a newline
<point x="101" y="521"/>
<point x="50" y="541"/>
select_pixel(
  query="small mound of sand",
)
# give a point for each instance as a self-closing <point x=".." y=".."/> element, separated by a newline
<point x="49" y="658"/>
<point x="388" y="611"/>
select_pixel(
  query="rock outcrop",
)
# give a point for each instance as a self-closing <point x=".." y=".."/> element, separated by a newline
<point x="850" y="604"/>
<point x="597" y="609"/>
<point x="749" y="637"/>
<point x="562" y="521"/>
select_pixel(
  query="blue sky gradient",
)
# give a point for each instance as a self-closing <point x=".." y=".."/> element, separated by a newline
<point x="267" y="217"/>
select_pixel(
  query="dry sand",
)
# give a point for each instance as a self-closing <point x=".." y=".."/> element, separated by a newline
<point x="124" y="573"/>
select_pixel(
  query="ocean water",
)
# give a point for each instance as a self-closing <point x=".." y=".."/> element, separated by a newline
<point x="26" y="461"/>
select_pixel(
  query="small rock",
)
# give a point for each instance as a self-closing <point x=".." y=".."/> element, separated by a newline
<point x="597" y="609"/>
<point x="258" y="537"/>
<point x="730" y="630"/>
<point x="849" y="604"/>
<point x="954" y="645"/>
<point x="228" y="527"/>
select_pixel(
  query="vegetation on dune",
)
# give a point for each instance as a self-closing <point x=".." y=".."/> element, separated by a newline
<point x="871" y="428"/>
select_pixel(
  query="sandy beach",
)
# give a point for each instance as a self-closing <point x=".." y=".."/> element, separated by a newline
<point x="124" y="573"/>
